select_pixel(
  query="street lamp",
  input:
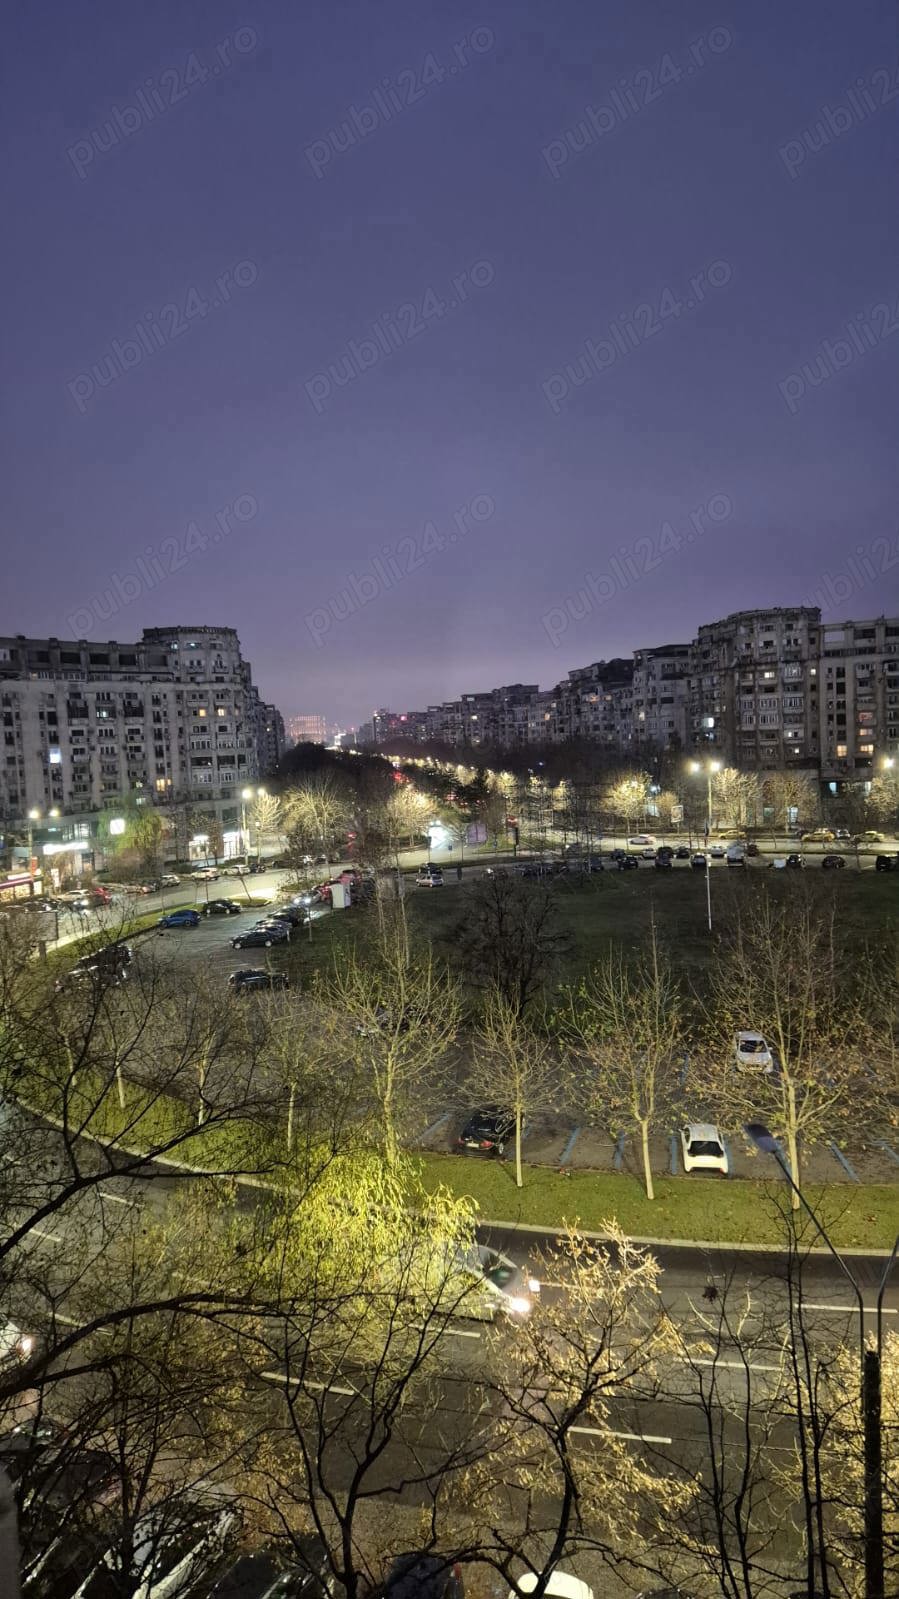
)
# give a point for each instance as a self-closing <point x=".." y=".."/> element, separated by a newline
<point x="711" y="767"/>
<point x="869" y="1371"/>
<point x="248" y="794"/>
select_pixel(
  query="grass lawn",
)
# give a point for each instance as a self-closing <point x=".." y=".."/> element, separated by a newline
<point x="616" y="908"/>
<point x="710" y="1209"/>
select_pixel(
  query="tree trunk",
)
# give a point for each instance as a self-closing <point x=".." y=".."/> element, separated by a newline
<point x="201" y="1082"/>
<point x="290" y="1111"/>
<point x="120" y="1084"/>
<point x="647" y="1166"/>
<point x="793" y="1157"/>
<point x="518" y="1180"/>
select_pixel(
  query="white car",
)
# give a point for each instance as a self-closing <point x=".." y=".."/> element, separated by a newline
<point x="717" y="852"/>
<point x="703" y="1148"/>
<point x="637" y="842"/>
<point x="561" y="1585"/>
<point x="175" y="1545"/>
<point x="430" y="878"/>
<point x="501" y="1286"/>
<point x="752" y="1053"/>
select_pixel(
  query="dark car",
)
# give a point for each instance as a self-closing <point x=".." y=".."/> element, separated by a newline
<point x="261" y="937"/>
<point x="795" y="862"/>
<point x="886" y="863"/>
<point x="664" y="863"/>
<point x="752" y="849"/>
<point x="735" y="860"/>
<point x="682" y="853"/>
<point x="698" y="862"/>
<point x="222" y="907"/>
<point x="833" y="862"/>
<point x="42" y="1459"/>
<point x="424" y="1577"/>
<point x="628" y="863"/>
<point x="664" y="852"/>
<point x="489" y="1129"/>
<point x="106" y="965"/>
<point x="180" y="919"/>
<point x="296" y="915"/>
<point x="252" y="977"/>
<point x="302" y="1572"/>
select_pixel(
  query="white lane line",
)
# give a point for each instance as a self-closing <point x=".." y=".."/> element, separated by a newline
<point x="37" y="1232"/>
<point x="321" y="1387"/>
<point x="730" y="1365"/>
<point x="634" y="1437"/>
<point x="117" y="1198"/>
<point x="453" y="1332"/>
<point x="850" y="1310"/>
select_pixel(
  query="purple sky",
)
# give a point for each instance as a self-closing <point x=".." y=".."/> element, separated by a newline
<point x="336" y="176"/>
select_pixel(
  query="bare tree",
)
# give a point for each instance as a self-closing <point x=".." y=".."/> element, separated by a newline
<point x="513" y="1064"/>
<point x="626" y="1023"/>
<point x="509" y="938"/>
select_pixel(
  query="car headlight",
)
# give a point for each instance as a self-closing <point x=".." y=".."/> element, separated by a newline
<point x="25" y="1345"/>
<point x="519" y="1305"/>
<point x="534" y="1285"/>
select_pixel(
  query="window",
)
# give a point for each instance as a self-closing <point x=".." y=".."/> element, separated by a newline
<point x="866" y="749"/>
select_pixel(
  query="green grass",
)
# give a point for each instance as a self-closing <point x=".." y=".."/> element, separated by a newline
<point x="713" y="1210"/>
<point x="615" y="909"/>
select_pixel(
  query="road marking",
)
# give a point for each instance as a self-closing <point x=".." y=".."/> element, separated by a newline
<point x="321" y="1387"/>
<point x="454" y="1332"/>
<point x="730" y="1365"/>
<point x="106" y="1194"/>
<point x="850" y="1310"/>
<point x="52" y="1238"/>
<point x="635" y="1437"/>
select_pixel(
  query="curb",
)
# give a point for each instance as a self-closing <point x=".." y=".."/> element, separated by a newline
<point x="717" y="1246"/>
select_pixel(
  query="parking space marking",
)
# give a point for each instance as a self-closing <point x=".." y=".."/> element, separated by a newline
<point x="633" y="1437"/>
<point x="50" y="1238"/>
<point x="837" y="1153"/>
<point x="320" y="1387"/>
<point x="105" y="1193"/>
<point x="851" y="1310"/>
<point x="566" y="1152"/>
<point x="728" y="1365"/>
<point x="434" y="1127"/>
<point x="618" y="1157"/>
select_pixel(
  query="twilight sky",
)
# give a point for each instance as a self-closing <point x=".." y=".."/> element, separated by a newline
<point x="435" y="347"/>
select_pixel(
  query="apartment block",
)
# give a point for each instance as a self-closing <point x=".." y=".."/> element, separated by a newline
<point x="171" y="719"/>
<point x="761" y="689"/>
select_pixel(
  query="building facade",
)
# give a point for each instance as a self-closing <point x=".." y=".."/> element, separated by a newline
<point x="308" y="728"/>
<point x="762" y="690"/>
<point x="170" y="720"/>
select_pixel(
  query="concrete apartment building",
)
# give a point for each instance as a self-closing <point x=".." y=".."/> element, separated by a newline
<point x="173" y="719"/>
<point x="761" y="690"/>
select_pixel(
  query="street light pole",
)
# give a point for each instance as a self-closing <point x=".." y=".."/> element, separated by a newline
<point x="33" y="816"/>
<point x="870" y="1376"/>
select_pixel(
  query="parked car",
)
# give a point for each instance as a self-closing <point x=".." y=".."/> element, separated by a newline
<point x="842" y="833"/>
<point x="109" y="964"/>
<point x="717" y="852"/>
<point x="40" y="1457"/>
<point x="833" y="862"/>
<point x="424" y="1576"/>
<point x="682" y="853"/>
<point x="665" y="850"/>
<point x="699" y="861"/>
<point x="151" y="886"/>
<point x="274" y="924"/>
<point x="489" y="1130"/>
<point x="647" y="853"/>
<point x="222" y="907"/>
<point x="304" y="1574"/>
<point x="253" y="978"/>
<point x="170" y="880"/>
<point x="174" y="1546"/>
<point x="870" y="837"/>
<point x="818" y="835"/>
<point x="294" y="915"/>
<point x="886" y="863"/>
<point x="429" y="877"/>
<point x="752" y="1052"/>
<point x="186" y="918"/>
<point x="664" y="863"/>
<point x="702" y="1148"/>
<point x="628" y="863"/>
<point x="261" y="937"/>
<point x="795" y="862"/>
<point x="561" y="1585"/>
<point x="752" y="849"/>
<point x="236" y="869"/>
<point x="206" y="874"/>
<point x="735" y="858"/>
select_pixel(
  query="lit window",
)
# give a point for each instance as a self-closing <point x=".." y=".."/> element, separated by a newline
<point x="219" y="711"/>
<point x="201" y="711"/>
<point x="841" y="749"/>
<point x="866" y="749"/>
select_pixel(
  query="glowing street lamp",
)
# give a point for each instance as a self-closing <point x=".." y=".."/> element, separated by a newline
<point x="710" y="768"/>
